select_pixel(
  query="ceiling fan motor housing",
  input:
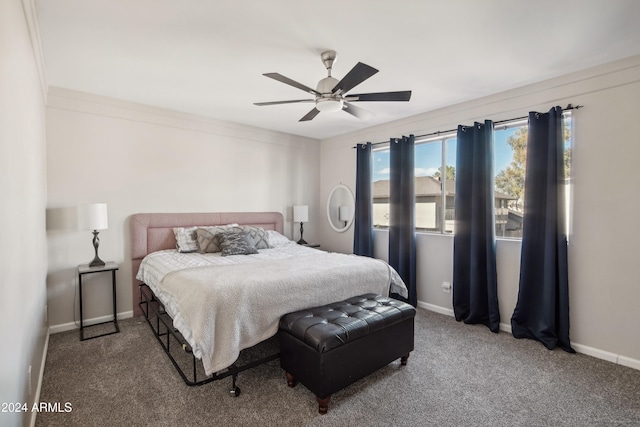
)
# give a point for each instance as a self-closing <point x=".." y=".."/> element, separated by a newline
<point x="327" y="101"/>
<point x="326" y="85"/>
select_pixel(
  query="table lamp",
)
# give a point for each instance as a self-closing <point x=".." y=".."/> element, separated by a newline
<point x="93" y="217"/>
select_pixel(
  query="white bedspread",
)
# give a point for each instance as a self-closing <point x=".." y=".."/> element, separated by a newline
<point x="222" y="305"/>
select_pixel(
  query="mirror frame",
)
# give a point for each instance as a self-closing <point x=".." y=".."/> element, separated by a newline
<point x="352" y="205"/>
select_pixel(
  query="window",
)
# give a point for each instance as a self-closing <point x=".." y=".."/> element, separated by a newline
<point x="510" y="154"/>
<point x="428" y="186"/>
<point x="381" y="187"/>
<point x="435" y="191"/>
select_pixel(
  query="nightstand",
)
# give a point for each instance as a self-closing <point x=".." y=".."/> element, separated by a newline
<point x="311" y="245"/>
<point x="86" y="269"/>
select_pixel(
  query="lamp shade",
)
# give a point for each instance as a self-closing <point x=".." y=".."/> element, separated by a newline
<point x="344" y="213"/>
<point x="300" y="213"/>
<point x="93" y="217"/>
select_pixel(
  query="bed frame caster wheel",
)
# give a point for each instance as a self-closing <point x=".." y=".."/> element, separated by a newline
<point x="235" y="392"/>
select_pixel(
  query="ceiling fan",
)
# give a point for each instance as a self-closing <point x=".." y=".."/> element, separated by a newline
<point x="331" y="94"/>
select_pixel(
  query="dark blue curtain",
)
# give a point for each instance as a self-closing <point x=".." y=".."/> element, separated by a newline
<point x="363" y="217"/>
<point x="475" y="288"/>
<point x="542" y="311"/>
<point x="402" y="223"/>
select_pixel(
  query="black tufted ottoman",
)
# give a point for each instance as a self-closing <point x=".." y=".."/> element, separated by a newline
<point x="327" y="348"/>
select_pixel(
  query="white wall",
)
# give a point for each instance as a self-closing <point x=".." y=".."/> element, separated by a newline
<point x="23" y="254"/>
<point x="137" y="159"/>
<point x="604" y="281"/>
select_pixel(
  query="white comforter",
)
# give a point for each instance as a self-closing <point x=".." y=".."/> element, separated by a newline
<point x="222" y="305"/>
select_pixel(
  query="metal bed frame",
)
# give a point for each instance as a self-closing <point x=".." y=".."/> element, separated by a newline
<point x="165" y="332"/>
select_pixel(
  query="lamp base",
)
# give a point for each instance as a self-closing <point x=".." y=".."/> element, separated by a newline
<point x="97" y="262"/>
<point x="301" y="241"/>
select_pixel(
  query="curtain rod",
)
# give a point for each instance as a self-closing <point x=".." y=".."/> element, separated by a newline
<point x="568" y="107"/>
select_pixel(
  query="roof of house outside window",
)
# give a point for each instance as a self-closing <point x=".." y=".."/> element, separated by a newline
<point x="426" y="186"/>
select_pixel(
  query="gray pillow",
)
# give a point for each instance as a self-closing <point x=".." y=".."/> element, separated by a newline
<point x="258" y="236"/>
<point x="206" y="237"/>
<point x="235" y="243"/>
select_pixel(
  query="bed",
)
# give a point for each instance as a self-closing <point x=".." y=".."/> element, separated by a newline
<point x="219" y="306"/>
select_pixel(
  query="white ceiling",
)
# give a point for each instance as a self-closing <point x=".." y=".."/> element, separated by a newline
<point x="207" y="57"/>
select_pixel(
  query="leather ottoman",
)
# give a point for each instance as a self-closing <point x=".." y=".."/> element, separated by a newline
<point x="329" y="347"/>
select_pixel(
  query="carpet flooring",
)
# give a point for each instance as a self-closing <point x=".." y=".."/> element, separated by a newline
<point x="458" y="375"/>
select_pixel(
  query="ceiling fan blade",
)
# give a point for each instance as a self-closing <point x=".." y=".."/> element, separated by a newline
<point x="283" y="102"/>
<point x="357" y="75"/>
<point x="380" y="96"/>
<point x="310" y="115"/>
<point x="287" y="80"/>
<point x="358" y="112"/>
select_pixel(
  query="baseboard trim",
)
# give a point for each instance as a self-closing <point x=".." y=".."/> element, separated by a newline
<point x="629" y="362"/>
<point x="583" y="349"/>
<point x="45" y="350"/>
<point x="436" y="308"/>
<point x="595" y="352"/>
<point x="88" y="322"/>
<point x="505" y="327"/>
<point x="608" y="356"/>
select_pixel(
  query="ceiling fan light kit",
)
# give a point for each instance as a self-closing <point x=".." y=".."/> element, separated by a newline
<point x="329" y="105"/>
<point x="330" y="93"/>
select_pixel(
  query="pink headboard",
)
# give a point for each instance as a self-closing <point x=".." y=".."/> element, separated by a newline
<point x="152" y="232"/>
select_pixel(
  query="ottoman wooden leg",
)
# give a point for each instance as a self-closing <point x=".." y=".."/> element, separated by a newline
<point x="291" y="382"/>
<point x="323" y="404"/>
<point x="403" y="359"/>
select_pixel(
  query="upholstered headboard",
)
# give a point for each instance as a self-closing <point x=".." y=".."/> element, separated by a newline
<point x="152" y="232"/>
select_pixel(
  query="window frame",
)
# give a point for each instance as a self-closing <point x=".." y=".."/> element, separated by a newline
<point x="443" y="137"/>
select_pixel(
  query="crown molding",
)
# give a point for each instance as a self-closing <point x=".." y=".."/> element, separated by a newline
<point x="31" y="19"/>
<point x="99" y="105"/>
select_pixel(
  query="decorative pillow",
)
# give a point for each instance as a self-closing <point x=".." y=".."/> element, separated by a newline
<point x="276" y="239"/>
<point x="186" y="239"/>
<point x="206" y="237"/>
<point x="235" y="243"/>
<point x="258" y="236"/>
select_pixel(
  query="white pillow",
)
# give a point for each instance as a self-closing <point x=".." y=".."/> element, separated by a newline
<point x="277" y="240"/>
<point x="186" y="238"/>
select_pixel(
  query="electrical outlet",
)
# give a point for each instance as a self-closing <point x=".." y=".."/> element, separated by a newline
<point x="446" y="287"/>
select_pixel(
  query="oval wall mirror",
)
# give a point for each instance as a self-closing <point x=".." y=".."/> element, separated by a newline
<point x="340" y="208"/>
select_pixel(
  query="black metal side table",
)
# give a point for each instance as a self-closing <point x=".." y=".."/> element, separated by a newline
<point x="86" y="269"/>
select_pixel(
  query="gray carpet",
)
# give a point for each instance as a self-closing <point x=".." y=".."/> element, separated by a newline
<point x="458" y="375"/>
